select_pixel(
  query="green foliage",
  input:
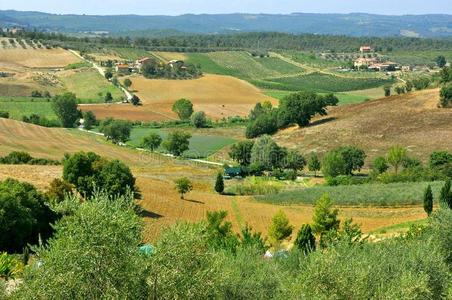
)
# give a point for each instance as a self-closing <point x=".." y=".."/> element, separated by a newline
<point x="446" y="75"/>
<point x="16" y="158"/>
<point x="108" y="74"/>
<point x="40" y="120"/>
<point x="199" y="119"/>
<point x="183" y="108"/>
<point x="353" y="158"/>
<point x="152" y="141"/>
<point x="446" y="96"/>
<point x="221" y="236"/>
<point x="305" y="240"/>
<point x="10" y="267"/>
<point x="314" y="164"/>
<point x="65" y="107"/>
<point x="300" y="107"/>
<point x="294" y="161"/>
<point x="219" y="184"/>
<point x="118" y="131"/>
<point x="263" y="124"/>
<point x="267" y="154"/>
<point x="428" y="200"/>
<point x="279" y="229"/>
<point x="380" y="165"/>
<point x="441" y="61"/>
<point x="174" y="70"/>
<point x="396" y="156"/>
<point x="325" y="216"/>
<point x="88" y="172"/>
<point x="58" y="190"/>
<point x="127" y="82"/>
<point x="183" y="185"/>
<point x="108" y="97"/>
<point x="89" y="120"/>
<point x="177" y="142"/>
<point x="445" y="196"/>
<point x="135" y="100"/>
<point x="387" y="90"/>
<point x="255" y="185"/>
<point x="4" y="114"/>
<point x="439" y="158"/>
<point x="333" y="164"/>
<point x="241" y="152"/>
<point x="108" y="231"/>
<point x="24" y="216"/>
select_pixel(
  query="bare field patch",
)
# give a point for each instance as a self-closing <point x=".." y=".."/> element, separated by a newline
<point x="37" y="58"/>
<point x="40" y="176"/>
<point x="218" y="96"/>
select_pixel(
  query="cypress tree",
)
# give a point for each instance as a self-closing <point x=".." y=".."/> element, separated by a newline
<point x="428" y="200"/>
<point x="219" y="184"/>
<point x="305" y="240"/>
<point x="446" y="195"/>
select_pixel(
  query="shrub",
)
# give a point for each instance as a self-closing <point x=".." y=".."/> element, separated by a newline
<point x="10" y="267"/>
<point x="305" y="240"/>
<point x="177" y="142"/>
<point x="325" y="217"/>
<point x="152" y="141"/>
<point x="183" y="186"/>
<point x="118" y="131"/>
<point x="199" y="119"/>
<point x="279" y="229"/>
<point x="4" y="114"/>
<point x="183" y="108"/>
<point x="446" y="96"/>
<point x="58" y="190"/>
<point x="219" y="184"/>
<point x="17" y="158"/>
<point x="333" y="164"/>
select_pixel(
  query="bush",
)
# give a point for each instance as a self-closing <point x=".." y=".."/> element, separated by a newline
<point x="177" y="142"/>
<point x="446" y="96"/>
<point x="118" y="131"/>
<point x="4" y="114"/>
<point x="183" y="108"/>
<point x="65" y="107"/>
<point x="25" y="216"/>
<point x="199" y="119"/>
<point x="16" y="158"/>
<point x="110" y="231"/>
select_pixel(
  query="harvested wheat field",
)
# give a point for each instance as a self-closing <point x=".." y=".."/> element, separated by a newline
<point x="218" y="96"/>
<point x="36" y="58"/>
<point x="412" y="120"/>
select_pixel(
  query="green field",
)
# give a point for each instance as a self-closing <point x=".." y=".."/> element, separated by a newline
<point x="201" y="146"/>
<point x="344" y="98"/>
<point x="417" y="57"/>
<point x="321" y="83"/>
<point x="242" y="65"/>
<point x="90" y="86"/>
<point x="394" y="194"/>
<point x="131" y="53"/>
<point x="311" y="60"/>
<point x="25" y="106"/>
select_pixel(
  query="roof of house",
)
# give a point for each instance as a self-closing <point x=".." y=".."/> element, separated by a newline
<point x="122" y="66"/>
<point x="144" y="59"/>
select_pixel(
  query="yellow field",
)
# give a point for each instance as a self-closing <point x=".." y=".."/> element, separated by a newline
<point x="36" y="58"/>
<point x="218" y="96"/>
<point x="155" y="175"/>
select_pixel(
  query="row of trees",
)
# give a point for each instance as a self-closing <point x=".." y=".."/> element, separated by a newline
<point x="178" y="70"/>
<point x="297" y="108"/>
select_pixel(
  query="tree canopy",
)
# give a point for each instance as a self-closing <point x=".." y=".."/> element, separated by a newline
<point x="65" y="107"/>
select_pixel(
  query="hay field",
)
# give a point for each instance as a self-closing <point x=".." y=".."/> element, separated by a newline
<point x="218" y="96"/>
<point x="36" y="58"/>
<point x="411" y="120"/>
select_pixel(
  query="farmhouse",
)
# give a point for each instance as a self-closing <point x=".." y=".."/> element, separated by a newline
<point x="141" y="62"/>
<point x="386" y="66"/>
<point x="366" y="49"/>
<point x="123" y="68"/>
<point x="365" y="62"/>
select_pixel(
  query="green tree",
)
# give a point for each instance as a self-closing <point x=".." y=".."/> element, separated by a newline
<point x="221" y="235"/>
<point x="127" y="82"/>
<point x="445" y="196"/>
<point x="325" y="216"/>
<point x="408" y="86"/>
<point x="400" y="89"/>
<point x="152" y="141"/>
<point x="219" y="184"/>
<point x="24" y="216"/>
<point x="380" y="165"/>
<point x="177" y="142"/>
<point x="266" y="123"/>
<point x="183" y="186"/>
<point x="65" y="107"/>
<point x="115" y="178"/>
<point x="199" y="119"/>
<point x="135" y="100"/>
<point x="305" y="240"/>
<point x="89" y="120"/>
<point x="439" y="158"/>
<point x="241" y="152"/>
<point x="267" y="153"/>
<point x="118" y="131"/>
<point x="446" y="75"/>
<point x="300" y="107"/>
<point x="333" y="164"/>
<point x="108" y="97"/>
<point x="387" y="90"/>
<point x="111" y="232"/>
<point x="441" y="61"/>
<point x="353" y="158"/>
<point x="396" y="156"/>
<point x="446" y="96"/>
<point x="279" y="229"/>
<point x="183" y="108"/>
<point x="314" y="164"/>
<point x="294" y="161"/>
<point x="108" y="74"/>
<point x="428" y="200"/>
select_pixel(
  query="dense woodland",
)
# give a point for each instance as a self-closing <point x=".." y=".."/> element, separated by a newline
<point x="263" y="41"/>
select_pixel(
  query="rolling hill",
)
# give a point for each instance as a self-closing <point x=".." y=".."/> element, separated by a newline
<point x="412" y="120"/>
<point x="356" y="24"/>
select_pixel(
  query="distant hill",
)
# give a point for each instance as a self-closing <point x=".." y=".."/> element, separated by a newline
<point x="356" y="24"/>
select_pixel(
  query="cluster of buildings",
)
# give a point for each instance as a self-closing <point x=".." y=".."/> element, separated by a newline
<point x="12" y="30"/>
<point x="372" y="62"/>
<point x="137" y="66"/>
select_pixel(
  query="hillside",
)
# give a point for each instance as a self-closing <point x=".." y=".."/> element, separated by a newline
<point x="356" y="24"/>
<point x="411" y="120"/>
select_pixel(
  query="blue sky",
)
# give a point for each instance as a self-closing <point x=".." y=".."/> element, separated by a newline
<point x="176" y="7"/>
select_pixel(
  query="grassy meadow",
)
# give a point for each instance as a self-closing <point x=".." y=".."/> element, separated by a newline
<point x="394" y="194"/>
<point x="25" y="106"/>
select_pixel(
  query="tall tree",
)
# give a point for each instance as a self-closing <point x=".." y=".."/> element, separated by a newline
<point x="65" y="107"/>
<point x="325" y="216"/>
<point x="241" y="152"/>
<point x="314" y="164"/>
<point x="441" y="61"/>
<point x="428" y="200"/>
<point x="446" y="195"/>
<point x="152" y="141"/>
<point x="396" y="156"/>
<point x="177" y="142"/>
<point x="219" y="184"/>
<point x="183" y="186"/>
<point x="353" y="158"/>
<point x="333" y="164"/>
<point x="89" y="120"/>
<point x="280" y="228"/>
